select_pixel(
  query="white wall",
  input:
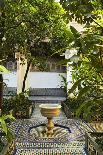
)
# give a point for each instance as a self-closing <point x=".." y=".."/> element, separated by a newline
<point x="10" y="79"/>
<point x="37" y="79"/>
<point x="45" y="79"/>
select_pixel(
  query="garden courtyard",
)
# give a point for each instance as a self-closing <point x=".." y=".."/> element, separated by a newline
<point x="69" y="135"/>
<point x="51" y="77"/>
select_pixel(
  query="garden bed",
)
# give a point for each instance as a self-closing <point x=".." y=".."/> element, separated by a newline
<point x="19" y="106"/>
<point x="23" y="114"/>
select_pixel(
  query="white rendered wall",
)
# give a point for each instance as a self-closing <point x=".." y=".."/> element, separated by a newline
<point x="37" y="79"/>
<point x="45" y="79"/>
<point x="10" y="79"/>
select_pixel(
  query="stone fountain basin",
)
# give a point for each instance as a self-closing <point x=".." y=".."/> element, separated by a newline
<point x="50" y="110"/>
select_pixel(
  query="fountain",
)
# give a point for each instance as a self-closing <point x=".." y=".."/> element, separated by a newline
<point x="50" y="131"/>
<point x="50" y="111"/>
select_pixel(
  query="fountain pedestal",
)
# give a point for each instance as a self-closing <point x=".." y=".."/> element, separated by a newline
<point x="50" y="127"/>
<point x="50" y="111"/>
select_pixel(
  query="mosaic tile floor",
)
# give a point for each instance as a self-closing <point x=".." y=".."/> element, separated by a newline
<point x="71" y="143"/>
<point x="75" y="148"/>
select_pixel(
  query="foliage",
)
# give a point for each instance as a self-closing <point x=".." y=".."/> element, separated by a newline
<point x="83" y="10"/>
<point x="99" y="141"/>
<point x="91" y="39"/>
<point x="7" y="106"/>
<point x="40" y="63"/>
<point x="64" y="83"/>
<point x="3" y="69"/>
<point x="74" y="86"/>
<point x="36" y="27"/>
<point x="1" y="145"/>
<point x="89" y="45"/>
<point x="20" y="102"/>
<point x="73" y="104"/>
<point x="89" y="84"/>
<point x="5" y="128"/>
<point x="91" y="109"/>
<point x="20" y="105"/>
<point x="90" y="88"/>
<point x="25" y="25"/>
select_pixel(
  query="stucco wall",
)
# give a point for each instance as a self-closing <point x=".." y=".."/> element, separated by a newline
<point x="10" y="79"/>
<point x="37" y="79"/>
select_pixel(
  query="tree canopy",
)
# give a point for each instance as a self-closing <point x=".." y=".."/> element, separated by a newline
<point x="88" y="72"/>
<point x="25" y="24"/>
<point x="83" y="11"/>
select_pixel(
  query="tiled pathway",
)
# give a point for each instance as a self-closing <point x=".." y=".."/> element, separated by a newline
<point x="70" y="144"/>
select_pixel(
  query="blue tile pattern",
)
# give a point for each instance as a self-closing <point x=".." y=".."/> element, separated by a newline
<point x="70" y="144"/>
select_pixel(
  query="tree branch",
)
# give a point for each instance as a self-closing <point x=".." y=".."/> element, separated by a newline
<point x="25" y="77"/>
<point x="96" y="22"/>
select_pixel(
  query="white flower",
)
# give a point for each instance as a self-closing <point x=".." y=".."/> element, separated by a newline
<point x="71" y="95"/>
<point x="3" y="39"/>
<point x="22" y="24"/>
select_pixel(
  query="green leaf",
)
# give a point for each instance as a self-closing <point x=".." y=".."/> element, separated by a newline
<point x="75" y="85"/>
<point x="63" y="62"/>
<point x="3" y="69"/>
<point x="83" y="106"/>
<point x="9" y="136"/>
<point x="8" y="117"/>
<point x="83" y="91"/>
<point x="75" y="32"/>
<point x="3" y="125"/>
<point x="88" y="113"/>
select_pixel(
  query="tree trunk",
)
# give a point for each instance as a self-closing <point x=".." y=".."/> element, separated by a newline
<point x="1" y="90"/>
<point x="25" y="77"/>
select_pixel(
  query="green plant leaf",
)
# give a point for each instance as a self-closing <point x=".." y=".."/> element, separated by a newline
<point x="75" y="32"/>
<point x="3" y="125"/>
<point x="83" y="106"/>
<point x="3" y="69"/>
<point x="8" y="117"/>
<point x="63" y="62"/>
<point x="75" y="85"/>
<point x="88" y="113"/>
<point x="83" y="91"/>
<point x="9" y="136"/>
